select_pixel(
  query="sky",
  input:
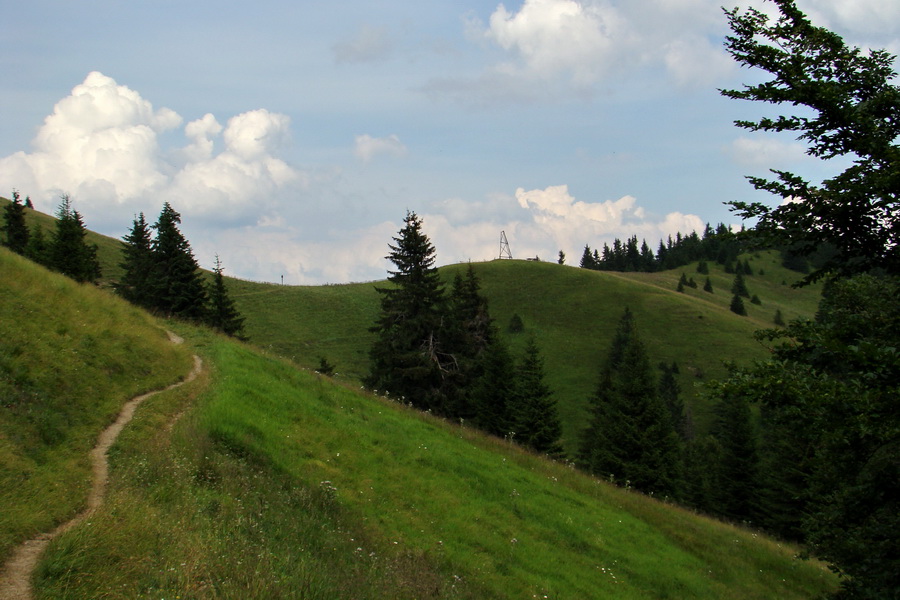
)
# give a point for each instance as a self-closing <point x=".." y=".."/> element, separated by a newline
<point x="293" y="137"/>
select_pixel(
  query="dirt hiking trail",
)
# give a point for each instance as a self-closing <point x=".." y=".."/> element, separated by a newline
<point x="15" y="576"/>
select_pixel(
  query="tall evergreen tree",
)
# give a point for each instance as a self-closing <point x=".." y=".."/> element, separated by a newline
<point x="68" y="251"/>
<point x="137" y="264"/>
<point x="468" y="332"/>
<point x="492" y="394"/>
<point x="16" y="229"/>
<point x="408" y="358"/>
<point x="737" y="306"/>
<point x="38" y="248"/>
<point x="177" y="286"/>
<point x="533" y="413"/>
<point x="630" y="436"/>
<point x="738" y="483"/>
<point x="739" y="286"/>
<point x="222" y="313"/>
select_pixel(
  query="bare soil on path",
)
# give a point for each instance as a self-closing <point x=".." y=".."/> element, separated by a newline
<point x="15" y="576"/>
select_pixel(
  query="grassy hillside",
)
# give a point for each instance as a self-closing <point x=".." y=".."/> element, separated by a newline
<point x="279" y="483"/>
<point x="571" y="312"/>
<point x="70" y="356"/>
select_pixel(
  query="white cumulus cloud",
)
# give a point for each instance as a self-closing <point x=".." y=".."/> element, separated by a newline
<point x="101" y="144"/>
<point x="367" y="147"/>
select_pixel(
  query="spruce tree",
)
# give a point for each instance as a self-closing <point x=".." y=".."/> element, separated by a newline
<point x="670" y="394"/>
<point x="468" y="332"/>
<point x="38" y="248"/>
<point x="630" y="435"/>
<point x="739" y="287"/>
<point x="533" y="414"/>
<point x="16" y="230"/>
<point x="137" y="264"/>
<point x="222" y="313"/>
<point x="176" y="287"/>
<point x="737" y="306"/>
<point x="738" y="484"/>
<point x="491" y="395"/>
<point x="408" y="358"/>
<point x="707" y="286"/>
<point x="68" y="252"/>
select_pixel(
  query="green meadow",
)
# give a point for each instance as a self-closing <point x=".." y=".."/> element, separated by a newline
<point x="280" y="483"/>
<point x="262" y="479"/>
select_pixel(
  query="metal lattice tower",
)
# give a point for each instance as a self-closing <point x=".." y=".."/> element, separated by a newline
<point x="505" y="252"/>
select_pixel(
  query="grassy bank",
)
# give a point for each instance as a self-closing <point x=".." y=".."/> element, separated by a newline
<point x="70" y="356"/>
<point x="279" y="483"/>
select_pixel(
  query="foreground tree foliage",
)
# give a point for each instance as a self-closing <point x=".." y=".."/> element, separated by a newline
<point x="855" y="103"/>
<point x="828" y="398"/>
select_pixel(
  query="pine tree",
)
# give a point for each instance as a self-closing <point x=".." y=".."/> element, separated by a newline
<point x="707" y="286"/>
<point x="468" y="332"/>
<point x="491" y="395"/>
<point x="222" y="313"/>
<point x="562" y="258"/>
<point x="630" y="436"/>
<point x="739" y="287"/>
<point x="738" y="486"/>
<point x="176" y="284"/>
<point x="703" y="268"/>
<point x="737" y="306"/>
<point x="38" y="248"/>
<point x="137" y="264"/>
<point x="408" y="359"/>
<point x="16" y="229"/>
<point x="533" y="414"/>
<point x="68" y="252"/>
<point x="779" y="319"/>
<point x="670" y="394"/>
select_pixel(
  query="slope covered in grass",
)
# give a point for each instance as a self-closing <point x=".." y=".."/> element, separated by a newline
<point x="571" y="312"/>
<point x="70" y="356"/>
<point x="279" y="483"/>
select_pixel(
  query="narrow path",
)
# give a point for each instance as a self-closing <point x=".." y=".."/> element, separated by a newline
<point x="15" y="577"/>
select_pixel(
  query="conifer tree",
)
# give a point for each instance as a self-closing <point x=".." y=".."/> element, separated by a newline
<point x="737" y="306"/>
<point x="630" y="435"/>
<point x="176" y="285"/>
<point x="703" y="268"/>
<point x="222" y="313"/>
<point x="408" y="358"/>
<point x="707" y="286"/>
<point x="137" y="264"/>
<point x="68" y="252"/>
<point x="468" y="332"/>
<point x="533" y="414"/>
<point x="492" y="393"/>
<point x="16" y="229"/>
<point x="38" y="249"/>
<point x="738" y="484"/>
<point x="670" y="394"/>
<point x="739" y="287"/>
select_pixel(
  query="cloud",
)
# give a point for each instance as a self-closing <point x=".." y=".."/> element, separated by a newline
<point x="368" y="147"/>
<point x="370" y="44"/>
<point x="766" y="152"/>
<point x="102" y="145"/>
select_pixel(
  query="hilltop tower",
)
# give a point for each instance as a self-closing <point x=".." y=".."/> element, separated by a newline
<point x="505" y="252"/>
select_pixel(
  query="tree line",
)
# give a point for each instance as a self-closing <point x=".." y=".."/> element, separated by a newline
<point x="441" y="351"/>
<point x="160" y="271"/>
<point x="718" y="244"/>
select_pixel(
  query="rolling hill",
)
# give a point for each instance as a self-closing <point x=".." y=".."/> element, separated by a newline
<point x="571" y="312"/>
<point x="264" y="480"/>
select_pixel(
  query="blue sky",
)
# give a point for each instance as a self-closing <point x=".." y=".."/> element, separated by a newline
<point x="293" y="136"/>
